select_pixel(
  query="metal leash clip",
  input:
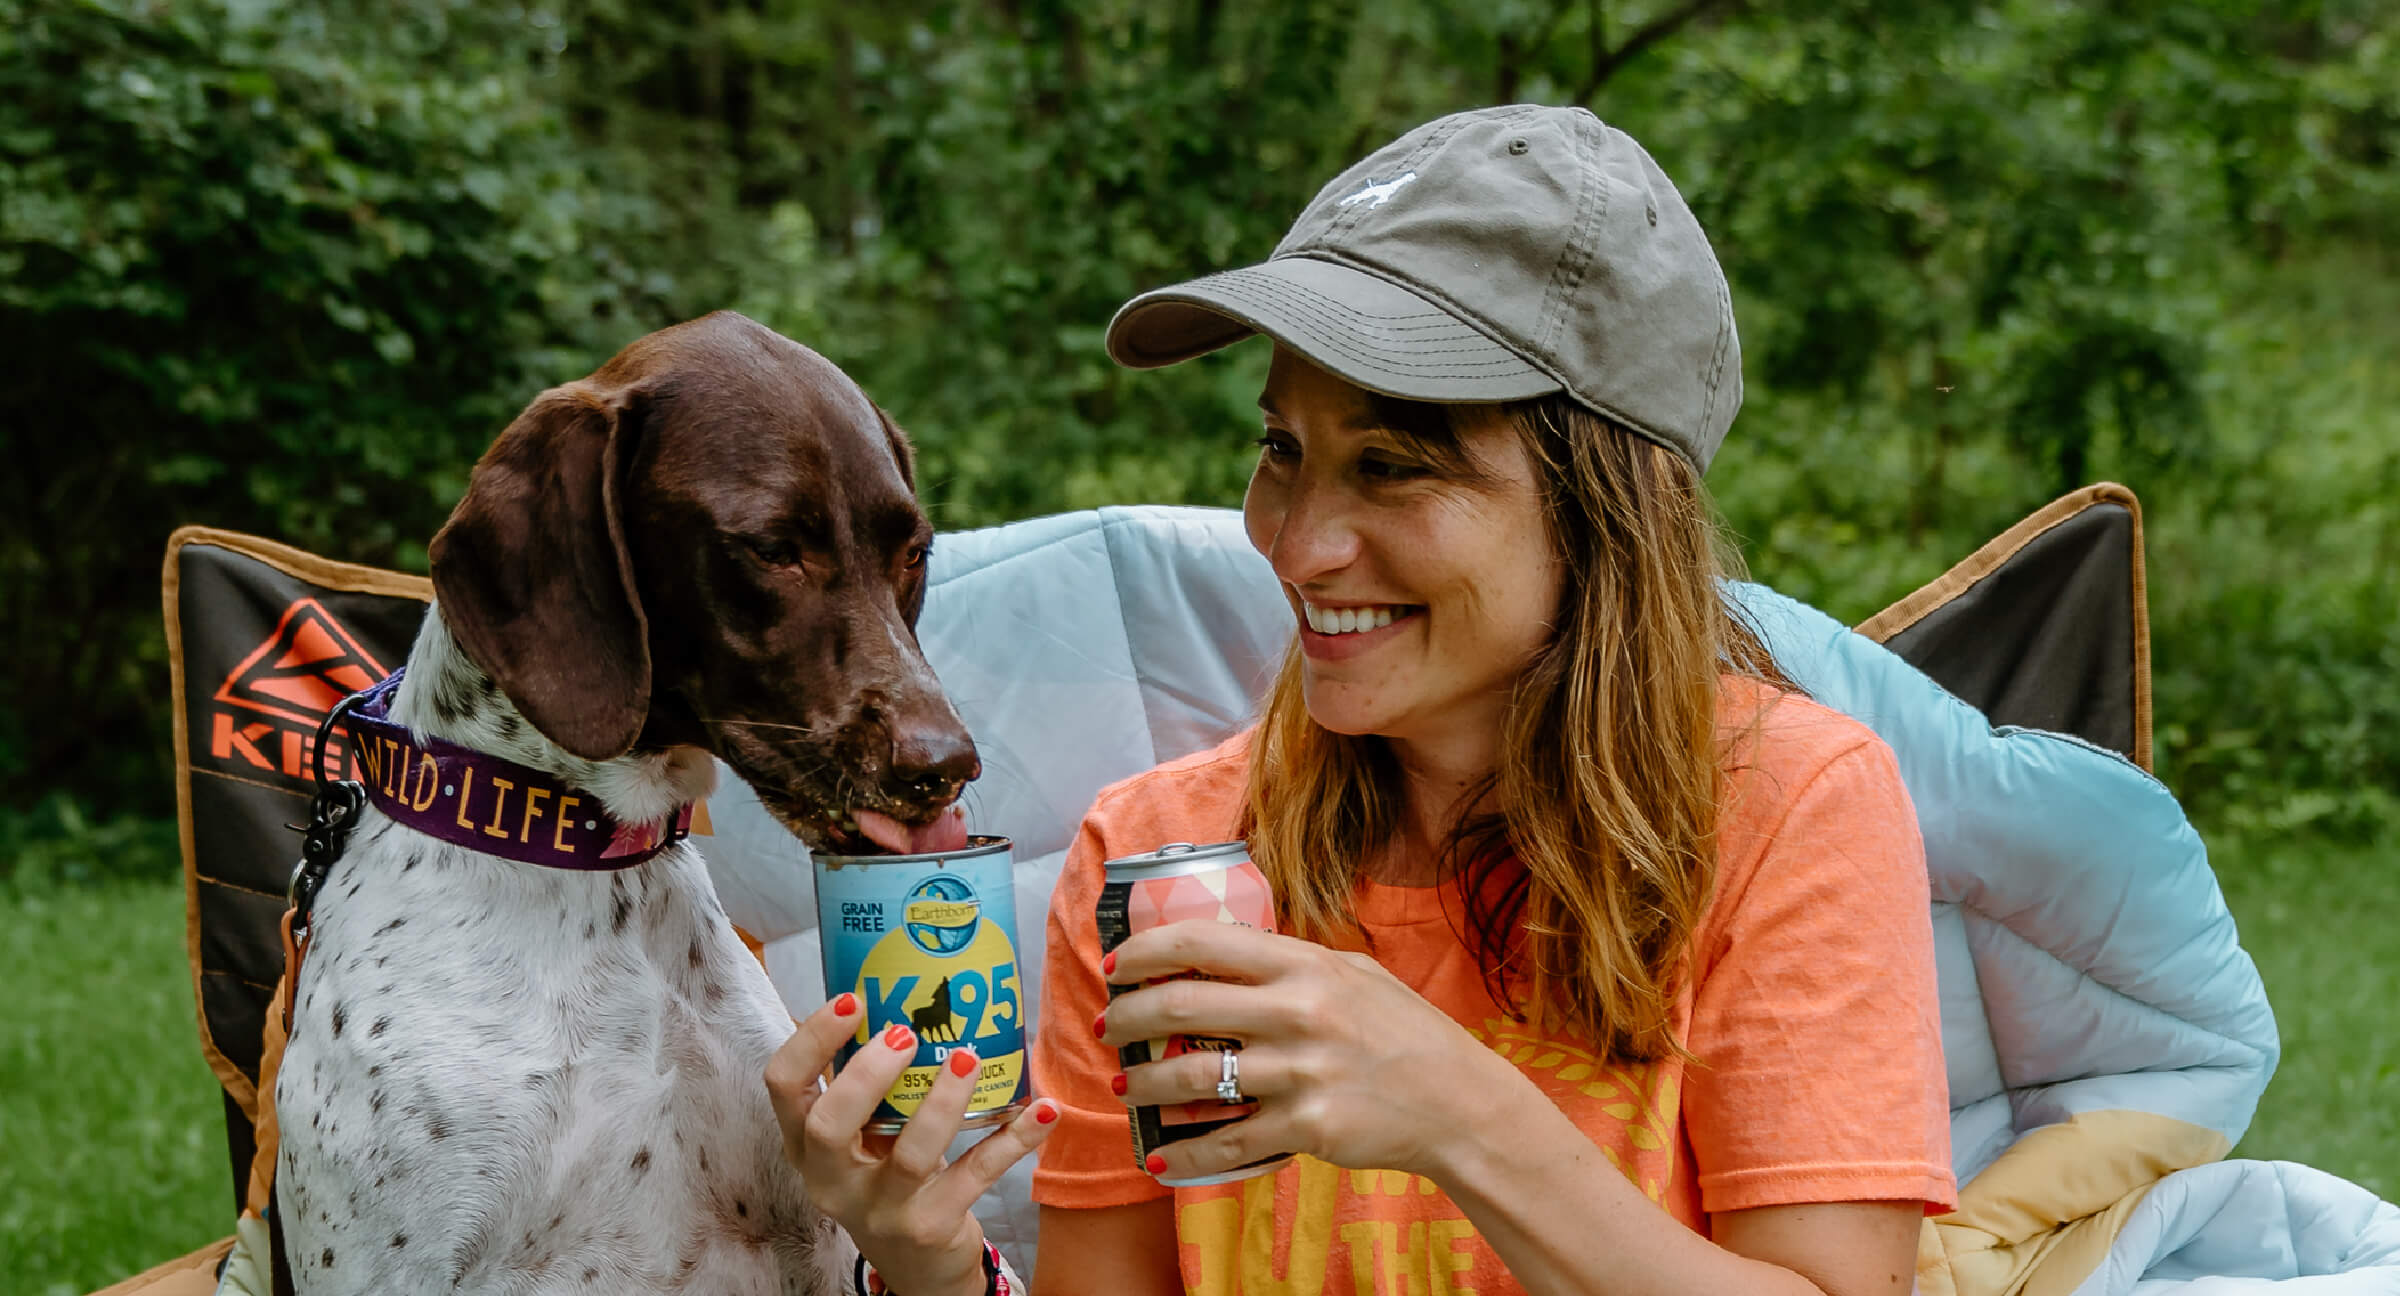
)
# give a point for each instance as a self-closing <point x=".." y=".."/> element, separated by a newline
<point x="332" y="813"/>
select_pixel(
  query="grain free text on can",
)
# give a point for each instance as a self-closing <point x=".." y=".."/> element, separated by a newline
<point x="1174" y="883"/>
<point x="930" y="942"/>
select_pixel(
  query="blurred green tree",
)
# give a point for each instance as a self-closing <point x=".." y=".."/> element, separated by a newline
<point x="263" y="267"/>
<point x="294" y="262"/>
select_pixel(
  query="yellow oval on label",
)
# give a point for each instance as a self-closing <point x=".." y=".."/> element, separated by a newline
<point x="970" y="996"/>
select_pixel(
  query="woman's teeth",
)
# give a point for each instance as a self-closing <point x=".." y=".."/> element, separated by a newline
<point x="1333" y="621"/>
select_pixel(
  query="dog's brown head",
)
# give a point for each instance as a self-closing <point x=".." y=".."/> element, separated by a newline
<point x="715" y="540"/>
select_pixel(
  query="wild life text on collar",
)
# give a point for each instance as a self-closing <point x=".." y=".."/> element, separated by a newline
<point x="491" y="805"/>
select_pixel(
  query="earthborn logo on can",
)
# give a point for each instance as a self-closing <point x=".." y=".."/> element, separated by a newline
<point x="929" y="942"/>
<point x="1171" y="884"/>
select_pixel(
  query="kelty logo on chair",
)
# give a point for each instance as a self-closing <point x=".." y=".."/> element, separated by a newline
<point x="263" y="718"/>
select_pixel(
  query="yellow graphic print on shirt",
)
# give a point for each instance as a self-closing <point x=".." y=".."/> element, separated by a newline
<point x="1297" y="1232"/>
<point x="1641" y="1096"/>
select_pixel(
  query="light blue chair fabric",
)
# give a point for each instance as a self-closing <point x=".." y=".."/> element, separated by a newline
<point x="2088" y="962"/>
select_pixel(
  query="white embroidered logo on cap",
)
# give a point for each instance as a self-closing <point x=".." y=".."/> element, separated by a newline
<point x="1379" y="192"/>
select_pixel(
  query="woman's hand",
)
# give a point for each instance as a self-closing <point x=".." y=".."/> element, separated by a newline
<point x="910" y="1214"/>
<point x="1350" y="1066"/>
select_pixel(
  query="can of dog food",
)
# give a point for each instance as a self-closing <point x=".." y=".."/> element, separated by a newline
<point x="1171" y="884"/>
<point x="930" y="942"/>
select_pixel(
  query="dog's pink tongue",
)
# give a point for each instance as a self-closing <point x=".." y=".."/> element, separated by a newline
<point x="947" y="833"/>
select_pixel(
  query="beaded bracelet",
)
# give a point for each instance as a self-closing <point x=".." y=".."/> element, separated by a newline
<point x="995" y="1279"/>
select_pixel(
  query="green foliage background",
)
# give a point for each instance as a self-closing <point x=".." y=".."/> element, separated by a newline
<point x="287" y="265"/>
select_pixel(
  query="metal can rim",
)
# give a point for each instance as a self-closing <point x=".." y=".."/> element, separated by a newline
<point x="1174" y="858"/>
<point x="1251" y="1171"/>
<point x="973" y="1120"/>
<point x="978" y="846"/>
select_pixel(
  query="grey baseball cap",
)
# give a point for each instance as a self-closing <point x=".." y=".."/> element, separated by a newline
<point x="1490" y="255"/>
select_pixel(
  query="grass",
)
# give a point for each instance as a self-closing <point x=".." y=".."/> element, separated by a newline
<point x="114" y="1158"/>
<point x="2323" y="924"/>
<point x="112" y="1146"/>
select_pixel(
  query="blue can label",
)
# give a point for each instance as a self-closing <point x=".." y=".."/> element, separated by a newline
<point x="929" y="942"/>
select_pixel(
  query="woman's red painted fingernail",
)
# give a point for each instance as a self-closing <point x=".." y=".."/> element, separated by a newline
<point x="1044" y="1113"/>
<point x="963" y="1063"/>
<point x="899" y="1038"/>
<point x="845" y="1004"/>
<point x="1156" y="1164"/>
<point x="1116" y="1084"/>
<point x="1109" y="963"/>
<point x="1100" y="1026"/>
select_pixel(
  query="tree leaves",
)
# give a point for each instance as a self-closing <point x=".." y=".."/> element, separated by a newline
<point x="284" y="266"/>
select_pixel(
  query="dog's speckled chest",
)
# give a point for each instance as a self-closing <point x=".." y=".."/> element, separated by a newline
<point x="505" y="1078"/>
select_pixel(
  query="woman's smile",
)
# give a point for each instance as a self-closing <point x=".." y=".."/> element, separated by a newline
<point x="1332" y="633"/>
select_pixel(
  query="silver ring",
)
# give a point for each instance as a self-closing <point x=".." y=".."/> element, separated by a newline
<point x="1229" y="1076"/>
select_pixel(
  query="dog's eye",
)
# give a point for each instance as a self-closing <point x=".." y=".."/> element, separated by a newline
<point x="915" y="558"/>
<point x="772" y="552"/>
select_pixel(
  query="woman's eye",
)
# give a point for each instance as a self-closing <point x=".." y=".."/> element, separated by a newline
<point x="1379" y="469"/>
<point x="1275" y="447"/>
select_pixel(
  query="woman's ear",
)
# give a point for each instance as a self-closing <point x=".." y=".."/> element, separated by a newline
<point x="534" y="581"/>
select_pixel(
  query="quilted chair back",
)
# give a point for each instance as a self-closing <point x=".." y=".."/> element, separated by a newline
<point x="2088" y="965"/>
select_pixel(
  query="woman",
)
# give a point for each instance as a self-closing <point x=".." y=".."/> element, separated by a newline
<point x="1611" y="966"/>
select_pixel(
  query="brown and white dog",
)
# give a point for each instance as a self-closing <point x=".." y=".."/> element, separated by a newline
<point x="509" y="1078"/>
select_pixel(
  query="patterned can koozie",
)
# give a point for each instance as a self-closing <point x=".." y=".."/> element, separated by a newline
<point x="1176" y="883"/>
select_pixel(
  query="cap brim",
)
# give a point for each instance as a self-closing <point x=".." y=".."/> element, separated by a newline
<point x="1355" y="325"/>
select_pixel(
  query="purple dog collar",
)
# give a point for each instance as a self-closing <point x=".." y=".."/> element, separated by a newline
<point x="494" y="806"/>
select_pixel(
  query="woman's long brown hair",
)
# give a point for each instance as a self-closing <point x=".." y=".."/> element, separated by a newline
<point x="1590" y="851"/>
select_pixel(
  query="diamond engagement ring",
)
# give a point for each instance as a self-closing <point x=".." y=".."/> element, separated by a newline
<point x="1229" y="1077"/>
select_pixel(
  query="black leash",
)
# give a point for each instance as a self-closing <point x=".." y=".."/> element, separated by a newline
<point x="332" y="813"/>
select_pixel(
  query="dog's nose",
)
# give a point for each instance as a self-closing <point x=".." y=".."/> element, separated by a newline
<point x="934" y="762"/>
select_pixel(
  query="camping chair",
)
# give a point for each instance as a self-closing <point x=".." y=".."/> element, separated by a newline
<point x="2097" y="1012"/>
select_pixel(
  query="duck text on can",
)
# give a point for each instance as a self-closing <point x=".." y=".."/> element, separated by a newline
<point x="1174" y="883"/>
<point x="930" y="942"/>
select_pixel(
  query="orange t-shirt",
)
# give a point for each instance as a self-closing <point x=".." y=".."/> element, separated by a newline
<point x="1813" y="1012"/>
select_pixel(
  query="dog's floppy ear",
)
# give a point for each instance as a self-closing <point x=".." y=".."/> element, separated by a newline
<point x="533" y="578"/>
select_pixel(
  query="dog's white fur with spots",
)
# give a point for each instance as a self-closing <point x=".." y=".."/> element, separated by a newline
<point x="504" y="1078"/>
